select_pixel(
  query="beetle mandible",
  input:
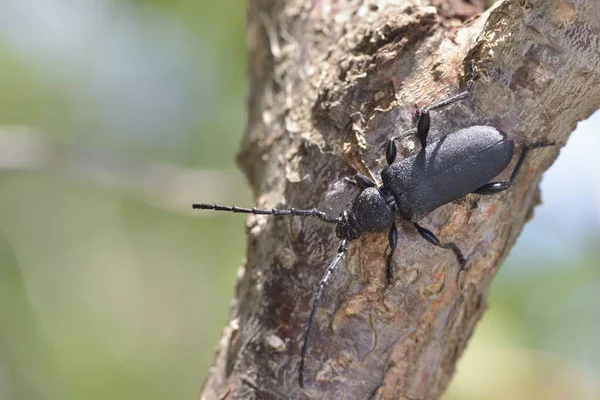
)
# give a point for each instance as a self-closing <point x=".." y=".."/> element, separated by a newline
<point x="445" y="170"/>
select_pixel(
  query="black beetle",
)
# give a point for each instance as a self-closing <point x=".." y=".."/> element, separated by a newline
<point x="444" y="170"/>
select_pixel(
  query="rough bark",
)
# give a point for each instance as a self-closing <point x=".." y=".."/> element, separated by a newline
<point x="330" y="81"/>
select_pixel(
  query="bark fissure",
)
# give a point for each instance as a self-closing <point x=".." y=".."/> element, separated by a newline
<point x="330" y="82"/>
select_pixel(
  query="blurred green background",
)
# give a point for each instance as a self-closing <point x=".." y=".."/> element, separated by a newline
<point x="114" y="117"/>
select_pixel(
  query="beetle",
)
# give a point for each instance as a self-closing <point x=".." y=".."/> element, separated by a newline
<point x="445" y="170"/>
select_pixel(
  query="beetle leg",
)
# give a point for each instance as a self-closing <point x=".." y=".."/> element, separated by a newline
<point x="431" y="238"/>
<point x="393" y="239"/>
<point x="451" y="100"/>
<point x="422" y="130"/>
<point x="423" y="124"/>
<point x="390" y="151"/>
<point x="461" y="96"/>
<point x="424" y="121"/>
<point x="360" y="180"/>
<point x="497" y="187"/>
<point x="363" y="182"/>
<point x="403" y="134"/>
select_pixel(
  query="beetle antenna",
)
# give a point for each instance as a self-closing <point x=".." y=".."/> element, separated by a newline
<point x="330" y="270"/>
<point x="323" y="216"/>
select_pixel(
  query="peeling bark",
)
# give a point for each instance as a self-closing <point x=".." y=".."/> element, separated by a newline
<point x="330" y="81"/>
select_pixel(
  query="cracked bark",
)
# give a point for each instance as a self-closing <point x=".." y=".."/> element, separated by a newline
<point x="330" y="81"/>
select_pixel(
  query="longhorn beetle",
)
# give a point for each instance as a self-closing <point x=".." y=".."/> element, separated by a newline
<point x="442" y="171"/>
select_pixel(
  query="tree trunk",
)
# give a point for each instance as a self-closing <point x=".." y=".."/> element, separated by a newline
<point x="330" y="82"/>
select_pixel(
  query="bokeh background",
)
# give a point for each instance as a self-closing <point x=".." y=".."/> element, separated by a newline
<point x="114" y="117"/>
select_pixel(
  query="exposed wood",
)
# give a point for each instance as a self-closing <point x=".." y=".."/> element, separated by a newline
<point x="330" y="81"/>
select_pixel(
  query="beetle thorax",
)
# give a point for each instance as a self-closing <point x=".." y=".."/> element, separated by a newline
<point x="369" y="213"/>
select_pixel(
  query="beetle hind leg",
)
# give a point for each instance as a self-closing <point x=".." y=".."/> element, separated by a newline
<point x="431" y="238"/>
<point x="497" y="187"/>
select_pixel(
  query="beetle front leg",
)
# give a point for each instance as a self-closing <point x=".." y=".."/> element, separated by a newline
<point x="361" y="181"/>
<point x="422" y="130"/>
<point x="424" y="121"/>
<point x="431" y="238"/>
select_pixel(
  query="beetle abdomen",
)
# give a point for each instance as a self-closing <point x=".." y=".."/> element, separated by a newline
<point x="451" y="167"/>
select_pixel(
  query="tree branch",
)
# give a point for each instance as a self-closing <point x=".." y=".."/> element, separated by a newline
<point x="330" y="82"/>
